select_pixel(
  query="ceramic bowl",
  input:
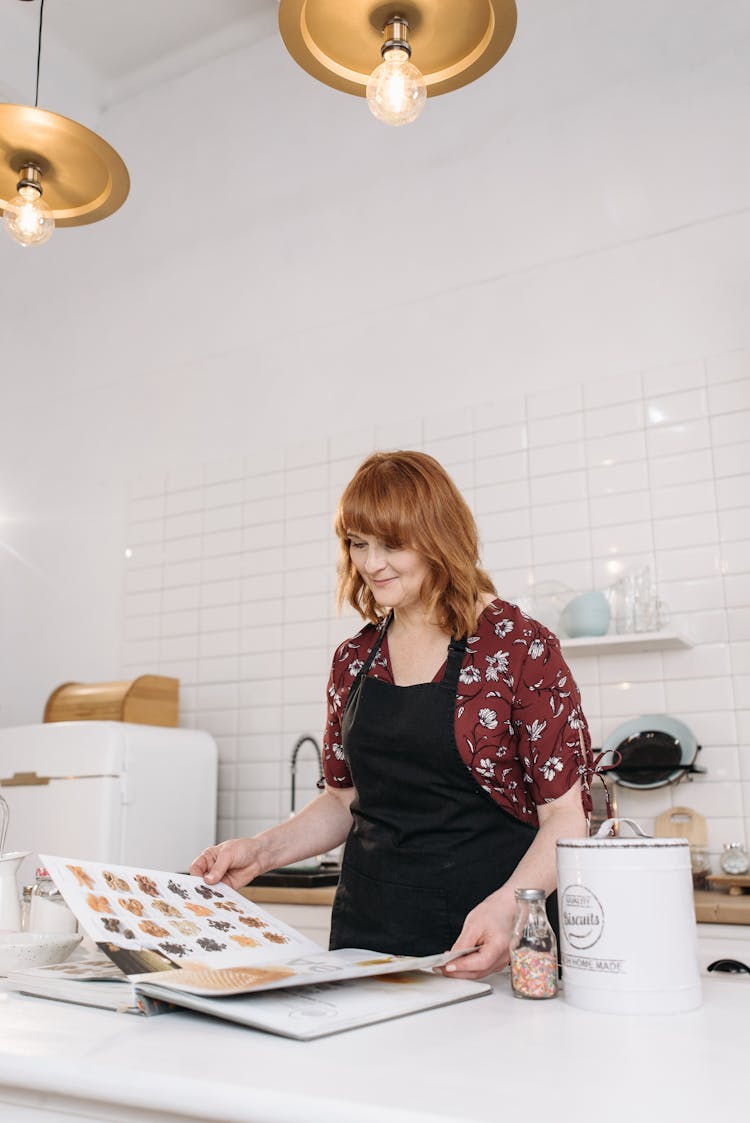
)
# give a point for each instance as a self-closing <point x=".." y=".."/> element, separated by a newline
<point x="586" y="615"/>
<point x="35" y="949"/>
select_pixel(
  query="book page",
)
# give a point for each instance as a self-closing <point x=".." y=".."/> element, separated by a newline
<point x="150" y="920"/>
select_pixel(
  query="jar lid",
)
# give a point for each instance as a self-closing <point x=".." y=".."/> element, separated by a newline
<point x="530" y="895"/>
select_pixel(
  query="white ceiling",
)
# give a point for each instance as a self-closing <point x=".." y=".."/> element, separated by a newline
<point x="119" y="40"/>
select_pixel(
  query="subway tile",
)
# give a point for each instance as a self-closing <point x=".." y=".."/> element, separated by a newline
<point x="723" y="829"/>
<point x="721" y="763"/>
<point x="611" y="391"/>
<point x="215" y="644"/>
<point x="571" y="545"/>
<point x="217" y="519"/>
<point x="261" y="559"/>
<point x="502" y="497"/>
<point x="259" y="775"/>
<point x="622" y="541"/>
<point x="743" y="751"/>
<point x="609" y="570"/>
<point x="263" y="637"/>
<point x="685" y="499"/>
<point x="682" y="468"/>
<point x="184" y="502"/>
<point x="674" y="378"/>
<point x="621" y="509"/>
<point x="145" y="556"/>
<point x="545" y="431"/>
<point x="504" y="525"/>
<point x="548" y="460"/>
<point x="183" y="549"/>
<point x="643" y="667"/>
<point x="222" y="568"/>
<point x="260" y="664"/>
<point x="215" y="593"/>
<point x="182" y="623"/>
<point x="263" y="587"/>
<point x="513" y="553"/>
<point x="685" y="436"/>
<point x="730" y="428"/>
<point x="553" y="403"/>
<point x="692" y="596"/>
<point x="178" y="574"/>
<point x="686" y="531"/>
<point x="219" y="618"/>
<point x="228" y="494"/>
<point x="307" y="608"/>
<point x="143" y="604"/>
<point x="616" y="448"/>
<point x="559" y="517"/>
<point x="222" y="669"/>
<point x="500" y="439"/>
<point x="307" y="503"/>
<point x="731" y="460"/>
<point x="683" y="697"/>
<point x="222" y="542"/>
<point x="261" y="692"/>
<point x="712" y="727"/>
<point x="632" y="698"/>
<point x="146" y="487"/>
<point x="706" y="661"/>
<point x="462" y="475"/>
<point x="681" y="564"/>
<point x="264" y="485"/>
<point x="734" y="525"/>
<point x="741" y="687"/>
<point x="562" y="487"/>
<point x="606" y="421"/>
<point x="147" y="509"/>
<point x="576" y="575"/>
<point x="141" y="627"/>
<point x="735" y="556"/>
<point x="178" y="647"/>
<point x="142" y="580"/>
<point x="673" y="409"/>
<point x="143" y="533"/>
<point x="305" y="555"/>
<point x="501" y="469"/>
<point x="733" y="491"/>
<point x="260" y="537"/>
<point x="709" y="626"/>
<point x="614" y="478"/>
<point x="729" y="397"/>
<point x="740" y="658"/>
<point x="217" y="696"/>
<point x="186" y="672"/>
<point x="718" y="799"/>
<point x="264" y="458"/>
<point x="313" y="528"/>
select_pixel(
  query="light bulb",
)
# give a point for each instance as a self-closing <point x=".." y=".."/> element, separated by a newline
<point x="396" y="92"/>
<point x="27" y="218"/>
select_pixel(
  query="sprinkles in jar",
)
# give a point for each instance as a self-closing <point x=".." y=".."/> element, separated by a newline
<point x="533" y="948"/>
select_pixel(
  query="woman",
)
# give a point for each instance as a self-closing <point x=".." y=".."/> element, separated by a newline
<point x="455" y="751"/>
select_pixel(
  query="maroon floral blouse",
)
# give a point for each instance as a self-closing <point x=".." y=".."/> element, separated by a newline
<point x="519" y="726"/>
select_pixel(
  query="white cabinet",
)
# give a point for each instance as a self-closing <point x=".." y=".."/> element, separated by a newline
<point x="723" y="941"/>
<point x="313" y="921"/>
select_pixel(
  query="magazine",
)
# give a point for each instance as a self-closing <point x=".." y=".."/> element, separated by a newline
<point x="175" y="940"/>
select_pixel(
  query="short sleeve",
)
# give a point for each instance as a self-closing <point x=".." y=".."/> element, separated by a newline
<point x="554" y="743"/>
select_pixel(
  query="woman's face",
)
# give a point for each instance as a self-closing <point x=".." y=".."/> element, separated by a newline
<point x="395" y="576"/>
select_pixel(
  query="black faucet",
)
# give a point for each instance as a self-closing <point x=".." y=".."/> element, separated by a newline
<point x="295" y="752"/>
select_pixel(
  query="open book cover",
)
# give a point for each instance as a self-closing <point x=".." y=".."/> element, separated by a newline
<point x="177" y="940"/>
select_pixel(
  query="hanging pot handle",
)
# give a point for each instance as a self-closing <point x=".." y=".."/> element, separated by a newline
<point x="608" y="825"/>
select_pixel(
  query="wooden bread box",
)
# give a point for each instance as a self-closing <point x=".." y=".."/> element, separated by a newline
<point x="146" y="700"/>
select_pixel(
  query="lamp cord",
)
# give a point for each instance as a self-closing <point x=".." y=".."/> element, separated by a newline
<point x="39" y="52"/>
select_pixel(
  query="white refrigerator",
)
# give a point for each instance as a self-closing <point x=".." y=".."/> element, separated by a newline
<point x="110" y="791"/>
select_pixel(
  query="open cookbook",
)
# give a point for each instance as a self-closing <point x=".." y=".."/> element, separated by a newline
<point x="169" y="940"/>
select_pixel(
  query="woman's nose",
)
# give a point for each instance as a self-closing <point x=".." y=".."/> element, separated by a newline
<point x="375" y="560"/>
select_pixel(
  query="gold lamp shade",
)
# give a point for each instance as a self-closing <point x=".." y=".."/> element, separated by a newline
<point x="452" y="41"/>
<point x="83" y="178"/>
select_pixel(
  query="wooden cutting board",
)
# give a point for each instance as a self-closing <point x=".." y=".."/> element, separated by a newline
<point x="682" y="822"/>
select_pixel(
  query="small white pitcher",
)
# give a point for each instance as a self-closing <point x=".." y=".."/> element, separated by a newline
<point x="10" y="898"/>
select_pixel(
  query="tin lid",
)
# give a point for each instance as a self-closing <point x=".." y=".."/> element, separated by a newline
<point x="530" y="895"/>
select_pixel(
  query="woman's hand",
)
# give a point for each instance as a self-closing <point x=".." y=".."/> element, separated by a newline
<point x="488" y="927"/>
<point x="236" y="862"/>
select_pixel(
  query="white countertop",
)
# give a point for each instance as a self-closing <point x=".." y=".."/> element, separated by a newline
<point x="475" y="1062"/>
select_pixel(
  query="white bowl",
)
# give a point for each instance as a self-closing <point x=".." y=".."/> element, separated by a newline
<point x="35" y="949"/>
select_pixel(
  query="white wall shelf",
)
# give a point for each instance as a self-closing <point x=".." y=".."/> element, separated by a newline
<point x="630" y="643"/>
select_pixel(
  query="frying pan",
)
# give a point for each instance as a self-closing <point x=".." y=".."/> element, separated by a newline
<point x="650" y="751"/>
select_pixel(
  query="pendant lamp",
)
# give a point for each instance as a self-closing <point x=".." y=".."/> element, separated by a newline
<point x="397" y="54"/>
<point x="53" y="171"/>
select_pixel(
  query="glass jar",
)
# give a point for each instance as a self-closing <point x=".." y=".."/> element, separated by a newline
<point x="734" y="860"/>
<point x="47" y="909"/>
<point x="533" y="948"/>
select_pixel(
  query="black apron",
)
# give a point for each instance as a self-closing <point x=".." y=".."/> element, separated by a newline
<point x="427" y="843"/>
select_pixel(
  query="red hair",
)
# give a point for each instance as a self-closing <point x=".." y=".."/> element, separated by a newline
<point x="407" y="500"/>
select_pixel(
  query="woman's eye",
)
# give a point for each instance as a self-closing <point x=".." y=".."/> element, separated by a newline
<point x="357" y="545"/>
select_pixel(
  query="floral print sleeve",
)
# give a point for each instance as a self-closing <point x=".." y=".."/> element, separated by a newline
<point x="519" y="726"/>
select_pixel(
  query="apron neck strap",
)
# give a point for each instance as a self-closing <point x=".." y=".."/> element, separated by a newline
<point x="456" y="652"/>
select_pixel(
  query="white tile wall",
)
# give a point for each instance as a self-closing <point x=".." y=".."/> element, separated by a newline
<point x="230" y="582"/>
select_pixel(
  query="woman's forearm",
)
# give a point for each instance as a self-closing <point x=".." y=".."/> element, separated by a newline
<point x="321" y="825"/>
